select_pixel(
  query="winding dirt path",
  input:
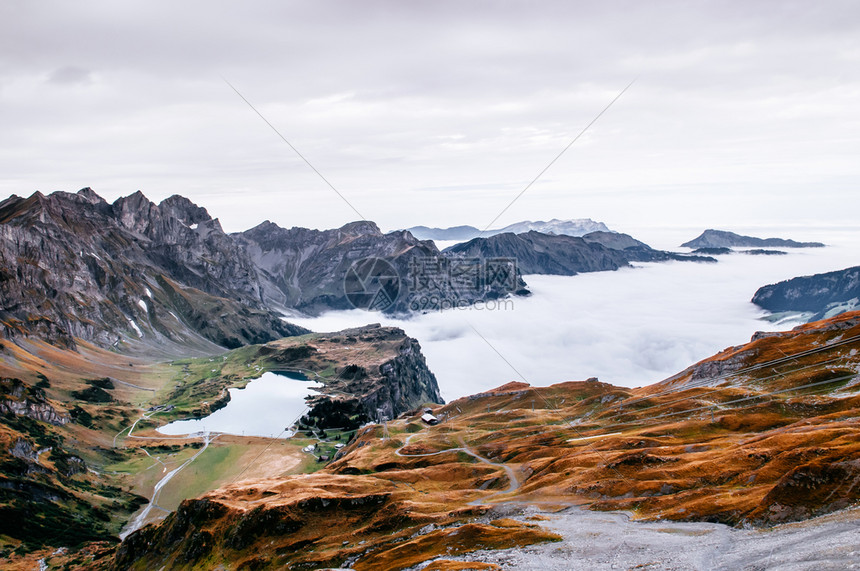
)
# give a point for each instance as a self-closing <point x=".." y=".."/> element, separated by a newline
<point x="513" y="481"/>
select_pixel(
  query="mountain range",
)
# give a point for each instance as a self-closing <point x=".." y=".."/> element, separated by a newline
<point x="73" y="267"/>
<point x="166" y="277"/>
<point x="575" y="227"/>
<point x="538" y="253"/>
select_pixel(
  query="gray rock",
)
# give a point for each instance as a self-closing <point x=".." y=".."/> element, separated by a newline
<point x="723" y="239"/>
<point x="73" y="266"/>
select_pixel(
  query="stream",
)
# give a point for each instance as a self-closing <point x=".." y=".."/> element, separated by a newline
<point x="139" y="520"/>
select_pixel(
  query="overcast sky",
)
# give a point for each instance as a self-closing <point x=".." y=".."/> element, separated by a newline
<point x="440" y="113"/>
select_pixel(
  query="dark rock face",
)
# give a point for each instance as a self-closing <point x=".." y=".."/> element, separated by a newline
<point x="823" y="295"/>
<point x="724" y="251"/>
<point x="636" y="251"/>
<point x="405" y="383"/>
<point x="713" y="251"/>
<point x="393" y="380"/>
<point x="723" y="239"/>
<point x="813" y="489"/>
<point x="74" y="266"/>
<point x="305" y="269"/>
<point x="756" y="252"/>
<point x="538" y="253"/>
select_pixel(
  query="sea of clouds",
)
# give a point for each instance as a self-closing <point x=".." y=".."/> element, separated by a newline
<point x="630" y="327"/>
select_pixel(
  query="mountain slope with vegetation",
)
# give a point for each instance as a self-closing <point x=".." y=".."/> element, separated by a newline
<point x="756" y="435"/>
<point x="72" y="472"/>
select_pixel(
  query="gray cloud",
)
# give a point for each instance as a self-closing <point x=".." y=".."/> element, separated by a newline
<point x="749" y="101"/>
<point x="70" y="75"/>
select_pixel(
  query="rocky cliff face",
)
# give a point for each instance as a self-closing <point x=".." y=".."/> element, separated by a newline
<point x="537" y="253"/>
<point x="74" y="266"/>
<point x="308" y="268"/>
<point x="724" y="239"/>
<point x="19" y="399"/>
<point x="370" y="373"/>
<point x="135" y="273"/>
<point x="821" y="295"/>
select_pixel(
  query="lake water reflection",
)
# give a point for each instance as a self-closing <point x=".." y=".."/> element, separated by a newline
<point x="265" y="407"/>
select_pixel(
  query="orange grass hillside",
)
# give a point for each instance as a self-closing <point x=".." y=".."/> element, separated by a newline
<point x="760" y="434"/>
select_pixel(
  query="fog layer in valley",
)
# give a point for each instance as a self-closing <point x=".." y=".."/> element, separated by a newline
<point x="630" y="327"/>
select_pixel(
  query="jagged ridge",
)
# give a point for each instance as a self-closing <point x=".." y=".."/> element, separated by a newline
<point x="74" y="266"/>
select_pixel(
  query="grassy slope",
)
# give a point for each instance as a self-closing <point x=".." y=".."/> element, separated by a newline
<point x="120" y="471"/>
<point x="658" y="452"/>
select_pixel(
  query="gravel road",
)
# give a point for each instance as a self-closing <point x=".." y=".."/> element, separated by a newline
<point x="598" y="541"/>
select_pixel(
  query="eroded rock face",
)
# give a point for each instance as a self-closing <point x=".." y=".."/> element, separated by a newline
<point x="35" y="410"/>
<point x="21" y="400"/>
<point x="23" y="449"/>
<point x="380" y="373"/>
<point x="308" y="267"/>
<point x="74" y="266"/>
<point x="538" y="253"/>
<point x="809" y="490"/>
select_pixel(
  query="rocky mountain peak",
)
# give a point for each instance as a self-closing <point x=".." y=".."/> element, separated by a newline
<point x="73" y="211"/>
<point x="360" y="228"/>
<point x="90" y="196"/>
<point x="135" y="212"/>
<point x="146" y="272"/>
<point x="264" y="228"/>
<point x="183" y="209"/>
<point x="11" y="208"/>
